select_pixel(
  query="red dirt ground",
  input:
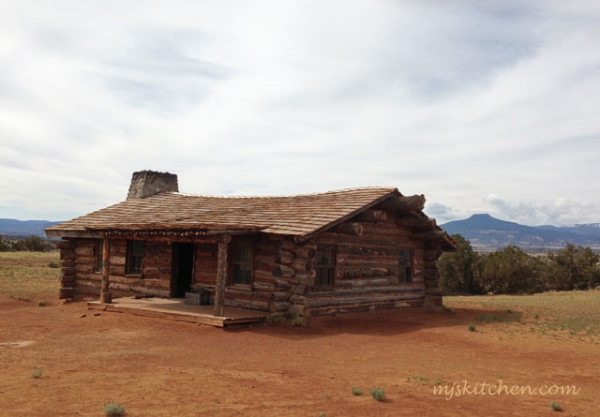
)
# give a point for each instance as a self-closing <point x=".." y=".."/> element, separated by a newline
<point x="157" y="367"/>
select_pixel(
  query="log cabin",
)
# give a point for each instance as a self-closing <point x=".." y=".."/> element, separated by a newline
<point x="350" y="250"/>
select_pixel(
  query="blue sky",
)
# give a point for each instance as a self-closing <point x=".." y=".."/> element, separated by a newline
<point x="482" y="106"/>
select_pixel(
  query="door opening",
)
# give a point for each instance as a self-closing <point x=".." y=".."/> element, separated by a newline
<point x="183" y="268"/>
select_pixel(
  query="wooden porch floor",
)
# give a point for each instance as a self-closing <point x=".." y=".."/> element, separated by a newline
<point x="173" y="308"/>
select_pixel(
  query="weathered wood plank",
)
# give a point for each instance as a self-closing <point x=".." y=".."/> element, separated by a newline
<point x="221" y="274"/>
<point x="105" y="295"/>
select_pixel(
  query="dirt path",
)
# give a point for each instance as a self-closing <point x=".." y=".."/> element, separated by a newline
<point x="164" y="368"/>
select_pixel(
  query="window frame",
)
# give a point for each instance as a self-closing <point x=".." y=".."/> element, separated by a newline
<point x="129" y="262"/>
<point x="233" y="263"/>
<point x="408" y="267"/>
<point x="98" y="256"/>
<point x="331" y="268"/>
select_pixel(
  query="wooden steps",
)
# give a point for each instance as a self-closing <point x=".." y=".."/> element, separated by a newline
<point x="175" y="309"/>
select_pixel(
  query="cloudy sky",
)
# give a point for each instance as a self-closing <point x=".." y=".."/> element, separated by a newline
<point x="483" y="106"/>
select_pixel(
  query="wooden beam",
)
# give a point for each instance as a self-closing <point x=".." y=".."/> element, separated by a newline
<point x="417" y="222"/>
<point x="431" y="235"/>
<point x="222" y="264"/>
<point x="406" y="203"/>
<point x="105" y="296"/>
<point x="354" y="229"/>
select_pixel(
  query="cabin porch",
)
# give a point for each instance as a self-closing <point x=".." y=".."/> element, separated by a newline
<point x="176" y="309"/>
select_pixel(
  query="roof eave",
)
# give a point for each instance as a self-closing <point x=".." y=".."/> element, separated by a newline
<point x="308" y="236"/>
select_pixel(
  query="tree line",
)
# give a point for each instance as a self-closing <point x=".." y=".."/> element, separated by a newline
<point x="510" y="270"/>
<point x="32" y="244"/>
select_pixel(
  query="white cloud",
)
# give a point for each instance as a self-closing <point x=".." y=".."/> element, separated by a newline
<point x="454" y="99"/>
<point x="561" y="212"/>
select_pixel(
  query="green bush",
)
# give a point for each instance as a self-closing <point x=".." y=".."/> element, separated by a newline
<point x="32" y="244"/>
<point x="458" y="269"/>
<point x="555" y="406"/>
<point x="572" y="268"/>
<point x="356" y="391"/>
<point x="511" y="271"/>
<point x="287" y="318"/>
<point x="472" y="327"/>
<point x="4" y="246"/>
<point x="113" y="409"/>
<point x="377" y="393"/>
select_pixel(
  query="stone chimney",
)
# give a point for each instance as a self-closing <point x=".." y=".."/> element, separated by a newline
<point x="147" y="183"/>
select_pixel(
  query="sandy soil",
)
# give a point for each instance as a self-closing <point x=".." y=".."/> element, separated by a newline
<point x="157" y="367"/>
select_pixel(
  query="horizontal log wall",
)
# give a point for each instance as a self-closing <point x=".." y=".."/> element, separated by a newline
<point x="87" y="280"/>
<point x="367" y="268"/>
<point x="264" y="294"/>
<point x="154" y="280"/>
<point x="205" y="264"/>
<point x="67" y="274"/>
<point x="372" y="257"/>
<point x="156" y="264"/>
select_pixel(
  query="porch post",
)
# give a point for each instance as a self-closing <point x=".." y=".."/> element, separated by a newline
<point x="223" y="242"/>
<point x="105" y="296"/>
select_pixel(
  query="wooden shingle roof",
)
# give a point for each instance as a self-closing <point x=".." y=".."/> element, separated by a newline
<point x="301" y="215"/>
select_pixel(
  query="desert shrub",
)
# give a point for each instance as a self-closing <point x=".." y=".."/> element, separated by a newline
<point x="287" y="318"/>
<point x="377" y="393"/>
<point x="356" y="391"/>
<point x="472" y="327"/>
<point x="298" y="320"/>
<point x="572" y="268"/>
<point x="36" y="373"/>
<point x="555" y="406"/>
<point x="32" y="244"/>
<point x="276" y="318"/>
<point x="53" y="265"/>
<point x="42" y="304"/>
<point x="113" y="409"/>
<point x="458" y="269"/>
<point x="510" y="271"/>
<point x="4" y="246"/>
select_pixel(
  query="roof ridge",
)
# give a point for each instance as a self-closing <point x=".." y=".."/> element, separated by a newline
<point x="342" y="190"/>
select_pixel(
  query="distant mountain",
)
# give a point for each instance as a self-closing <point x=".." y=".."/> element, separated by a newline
<point x="24" y="228"/>
<point x="487" y="234"/>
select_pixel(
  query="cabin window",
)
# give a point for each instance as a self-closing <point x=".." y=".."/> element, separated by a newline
<point x="405" y="265"/>
<point x="98" y="255"/>
<point x="325" y="266"/>
<point x="135" y="253"/>
<point x="241" y="262"/>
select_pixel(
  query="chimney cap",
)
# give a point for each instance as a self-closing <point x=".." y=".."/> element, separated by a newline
<point x="146" y="183"/>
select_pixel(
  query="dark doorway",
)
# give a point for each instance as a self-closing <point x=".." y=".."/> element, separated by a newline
<point x="183" y="268"/>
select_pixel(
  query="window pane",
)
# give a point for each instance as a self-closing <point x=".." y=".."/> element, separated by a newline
<point x="135" y="254"/>
<point x="324" y="263"/>
<point x="324" y="257"/>
<point x="404" y="258"/>
<point x="242" y="252"/>
<point x="402" y="274"/>
<point x="323" y="277"/>
<point x="136" y="264"/>
<point x="404" y="266"/>
<point x="241" y="274"/>
<point x="137" y="247"/>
